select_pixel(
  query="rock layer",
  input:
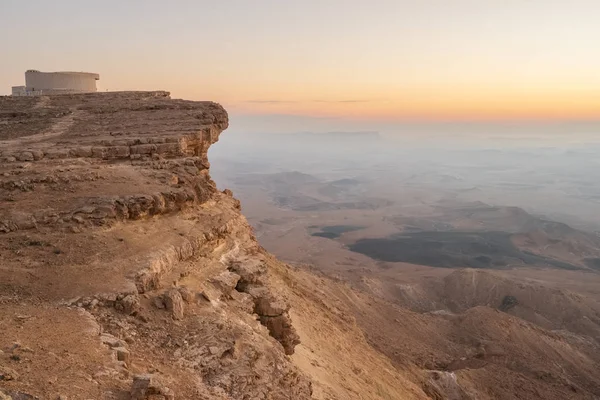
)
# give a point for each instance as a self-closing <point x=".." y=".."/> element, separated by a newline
<point x="107" y="210"/>
<point x="72" y="139"/>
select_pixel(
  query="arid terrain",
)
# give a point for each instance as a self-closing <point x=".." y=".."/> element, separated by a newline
<point x="125" y="273"/>
<point x="425" y="245"/>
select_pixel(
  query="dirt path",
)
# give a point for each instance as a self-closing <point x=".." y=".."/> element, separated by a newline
<point x="60" y="127"/>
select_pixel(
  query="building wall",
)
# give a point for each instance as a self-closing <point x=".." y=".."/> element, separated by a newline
<point x="65" y="82"/>
<point x="19" y="91"/>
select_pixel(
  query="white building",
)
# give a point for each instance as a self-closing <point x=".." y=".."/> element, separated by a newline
<point x="43" y="83"/>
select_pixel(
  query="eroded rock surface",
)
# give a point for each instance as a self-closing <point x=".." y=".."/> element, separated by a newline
<point x="110" y="224"/>
<point x="125" y="273"/>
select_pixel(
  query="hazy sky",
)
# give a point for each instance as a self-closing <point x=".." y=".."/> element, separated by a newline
<point x="335" y="60"/>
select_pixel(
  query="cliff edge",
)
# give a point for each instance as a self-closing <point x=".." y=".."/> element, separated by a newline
<point x="126" y="274"/>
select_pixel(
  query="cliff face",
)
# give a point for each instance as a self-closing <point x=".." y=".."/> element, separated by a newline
<point x="155" y="149"/>
<point x="123" y="258"/>
<point x="125" y="273"/>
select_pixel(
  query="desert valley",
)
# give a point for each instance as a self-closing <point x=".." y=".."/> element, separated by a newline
<point x="457" y="238"/>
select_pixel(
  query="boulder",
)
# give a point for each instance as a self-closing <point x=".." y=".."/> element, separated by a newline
<point x="250" y="271"/>
<point x="111" y="341"/>
<point x="187" y="295"/>
<point x="123" y="354"/>
<point x="8" y="374"/>
<point x="130" y="304"/>
<point x="226" y="281"/>
<point x="174" y="303"/>
<point x="159" y="302"/>
<point x="145" y="387"/>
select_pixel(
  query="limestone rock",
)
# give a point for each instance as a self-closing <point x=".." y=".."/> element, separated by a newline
<point x="122" y="354"/>
<point x="270" y="306"/>
<point x="251" y="272"/>
<point x="139" y="387"/>
<point x="283" y="331"/>
<point x="211" y="294"/>
<point x="130" y="304"/>
<point x="111" y="341"/>
<point x="243" y="300"/>
<point x="146" y="387"/>
<point x="174" y="303"/>
<point x="25" y="156"/>
<point x="444" y="385"/>
<point x="187" y="295"/>
<point x="273" y="314"/>
<point x="226" y="281"/>
<point x="158" y="302"/>
<point x="8" y="374"/>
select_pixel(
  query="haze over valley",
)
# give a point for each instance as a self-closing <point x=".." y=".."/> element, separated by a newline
<point x="444" y="225"/>
<point x="300" y="200"/>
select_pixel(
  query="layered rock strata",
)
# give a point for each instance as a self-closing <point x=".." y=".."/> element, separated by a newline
<point x="181" y="297"/>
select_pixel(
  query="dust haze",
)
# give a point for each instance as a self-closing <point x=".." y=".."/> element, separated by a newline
<point x="551" y="176"/>
<point x="437" y="223"/>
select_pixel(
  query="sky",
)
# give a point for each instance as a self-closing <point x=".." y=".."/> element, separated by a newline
<point x="335" y="64"/>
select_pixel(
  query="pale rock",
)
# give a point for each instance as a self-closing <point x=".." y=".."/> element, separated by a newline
<point x="250" y="271"/>
<point x="4" y="396"/>
<point x="131" y="304"/>
<point x="145" y="387"/>
<point x="226" y="281"/>
<point x="122" y="354"/>
<point x="211" y="294"/>
<point x="111" y="341"/>
<point x="270" y="306"/>
<point x="187" y="295"/>
<point x="174" y="303"/>
<point x="8" y="374"/>
<point x="244" y="300"/>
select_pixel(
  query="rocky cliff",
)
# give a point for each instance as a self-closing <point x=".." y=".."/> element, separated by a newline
<point x="125" y="273"/>
<point x="76" y="172"/>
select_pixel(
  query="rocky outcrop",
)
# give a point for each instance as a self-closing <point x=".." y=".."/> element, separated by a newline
<point x="270" y="307"/>
<point x="161" y="140"/>
<point x="107" y="211"/>
<point x="442" y="385"/>
<point x="146" y="387"/>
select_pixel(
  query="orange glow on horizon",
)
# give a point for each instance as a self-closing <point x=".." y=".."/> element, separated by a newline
<point x="465" y="99"/>
<point x="401" y="60"/>
<point x="458" y="106"/>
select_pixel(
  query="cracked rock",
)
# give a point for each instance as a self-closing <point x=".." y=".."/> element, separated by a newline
<point x="226" y="281"/>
